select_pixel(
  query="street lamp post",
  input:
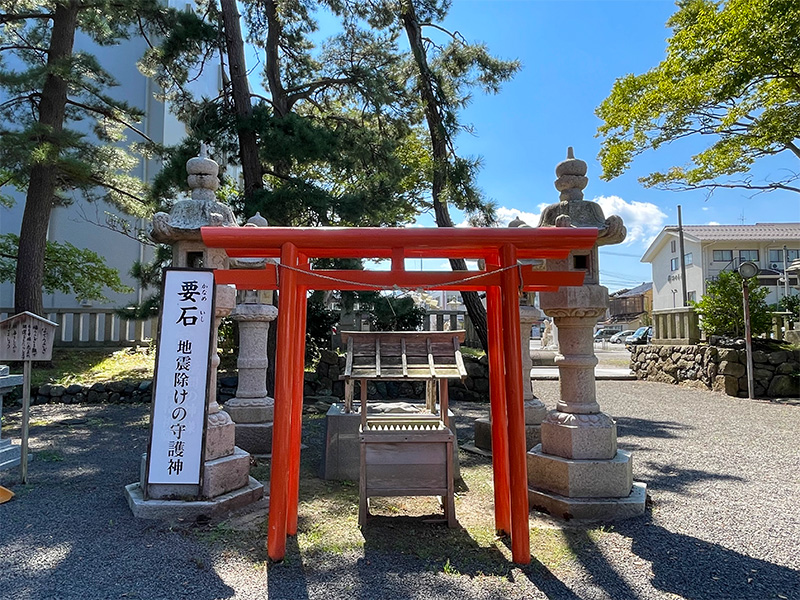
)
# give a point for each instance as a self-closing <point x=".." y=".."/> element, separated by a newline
<point x="747" y="270"/>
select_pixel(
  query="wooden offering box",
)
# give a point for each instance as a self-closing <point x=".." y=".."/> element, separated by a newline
<point x="405" y="454"/>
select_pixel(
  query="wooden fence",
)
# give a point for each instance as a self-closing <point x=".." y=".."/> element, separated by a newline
<point x="96" y="328"/>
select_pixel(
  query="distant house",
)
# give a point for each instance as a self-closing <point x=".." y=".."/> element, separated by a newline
<point x="711" y="249"/>
<point x="630" y="308"/>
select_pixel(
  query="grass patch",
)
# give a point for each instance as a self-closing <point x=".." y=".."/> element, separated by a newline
<point x="49" y="455"/>
<point x="472" y="352"/>
<point x="85" y="367"/>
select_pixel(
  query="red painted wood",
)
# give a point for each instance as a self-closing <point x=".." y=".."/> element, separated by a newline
<point x="497" y="404"/>
<point x="368" y="252"/>
<point x="412" y="239"/>
<point x="497" y="246"/>
<point x="517" y="460"/>
<point x="268" y="279"/>
<point x="281" y="429"/>
<point x="298" y="344"/>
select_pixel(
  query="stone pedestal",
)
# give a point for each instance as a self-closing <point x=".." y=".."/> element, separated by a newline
<point x="535" y="410"/>
<point x="9" y="453"/>
<point x="252" y="410"/>
<point x="577" y="470"/>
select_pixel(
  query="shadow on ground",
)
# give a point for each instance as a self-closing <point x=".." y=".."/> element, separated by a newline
<point x="69" y="532"/>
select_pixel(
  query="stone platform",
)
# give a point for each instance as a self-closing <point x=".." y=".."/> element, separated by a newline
<point x="590" y="509"/>
<point x="215" y="508"/>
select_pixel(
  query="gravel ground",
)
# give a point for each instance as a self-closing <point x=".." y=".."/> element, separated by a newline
<point x="723" y="522"/>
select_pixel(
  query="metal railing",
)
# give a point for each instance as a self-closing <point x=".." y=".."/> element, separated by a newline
<point x="96" y="328"/>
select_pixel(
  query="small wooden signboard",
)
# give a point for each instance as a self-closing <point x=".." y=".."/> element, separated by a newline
<point x="26" y="337"/>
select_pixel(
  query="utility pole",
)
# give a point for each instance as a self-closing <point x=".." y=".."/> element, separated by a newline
<point x="685" y="296"/>
<point x="785" y="271"/>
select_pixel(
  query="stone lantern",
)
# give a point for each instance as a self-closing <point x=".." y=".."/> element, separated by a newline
<point x="226" y="482"/>
<point x="577" y="471"/>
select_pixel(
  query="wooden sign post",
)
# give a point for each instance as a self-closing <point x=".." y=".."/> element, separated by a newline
<point x="26" y="337"/>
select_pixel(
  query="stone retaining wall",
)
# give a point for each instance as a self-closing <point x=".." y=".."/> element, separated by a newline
<point x="776" y="374"/>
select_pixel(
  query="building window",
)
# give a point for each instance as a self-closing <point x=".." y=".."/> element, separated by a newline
<point x="745" y="255"/>
<point x="723" y="255"/>
<point x="687" y="259"/>
<point x="673" y="264"/>
<point x="692" y="296"/>
<point x="776" y="255"/>
<point x="672" y="246"/>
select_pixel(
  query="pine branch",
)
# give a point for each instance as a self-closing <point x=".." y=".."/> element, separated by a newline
<point x="12" y="18"/>
<point x="109" y="114"/>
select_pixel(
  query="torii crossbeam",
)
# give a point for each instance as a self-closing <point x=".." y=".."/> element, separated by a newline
<point x="503" y="279"/>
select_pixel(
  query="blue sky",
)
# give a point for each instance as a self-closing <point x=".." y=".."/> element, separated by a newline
<point x="572" y="51"/>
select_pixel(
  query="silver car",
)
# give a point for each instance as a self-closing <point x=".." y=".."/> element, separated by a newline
<point x="619" y="338"/>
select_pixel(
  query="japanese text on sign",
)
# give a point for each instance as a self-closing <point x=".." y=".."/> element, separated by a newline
<point x="26" y="336"/>
<point x="179" y="396"/>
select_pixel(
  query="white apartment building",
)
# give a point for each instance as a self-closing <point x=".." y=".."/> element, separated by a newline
<point x="710" y="249"/>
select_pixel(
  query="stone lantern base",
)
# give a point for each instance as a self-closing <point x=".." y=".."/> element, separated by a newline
<point x="577" y="472"/>
<point x="590" y="509"/>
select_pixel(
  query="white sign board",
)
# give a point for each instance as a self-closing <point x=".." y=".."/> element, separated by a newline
<point x="26" y="336"/>
<point x="181" y="378"/>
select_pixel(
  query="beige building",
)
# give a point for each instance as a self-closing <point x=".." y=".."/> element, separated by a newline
<point x="711" y="249"/>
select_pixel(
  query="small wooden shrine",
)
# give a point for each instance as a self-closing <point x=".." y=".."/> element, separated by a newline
<point x="405" y="454"/>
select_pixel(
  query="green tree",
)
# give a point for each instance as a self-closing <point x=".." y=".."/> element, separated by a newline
<point x="67" y="269"/>
<point x="791" y="304"/>
<point x="334" y="141"/>
<point x="389" y="313"/>
<point x="441" y="73"/>
<point x="62" y="130"/>
<point x="721" y="309"/>
<point x="730" y="75"/>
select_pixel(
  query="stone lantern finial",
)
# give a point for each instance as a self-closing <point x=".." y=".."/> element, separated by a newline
<point x="572" y="210"/>
<point x="188" y="215"/>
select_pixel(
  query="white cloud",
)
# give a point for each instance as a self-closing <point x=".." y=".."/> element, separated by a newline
<point x="712" y="223"/>
<point x="643" y="220"/>
<point x="705" y="208"/>
<point x="506" y="215"/>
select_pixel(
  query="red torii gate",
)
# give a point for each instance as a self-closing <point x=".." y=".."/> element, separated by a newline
<point x="503" y="279"/>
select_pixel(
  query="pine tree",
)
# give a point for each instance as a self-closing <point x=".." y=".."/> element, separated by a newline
<point x="62" y="130"/>
<point x="441" y="78"/>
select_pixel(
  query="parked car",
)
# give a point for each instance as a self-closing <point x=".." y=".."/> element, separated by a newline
<point x="641" y="336"/>
<point x="619" y="337"/>
<point x="604" y="334"/>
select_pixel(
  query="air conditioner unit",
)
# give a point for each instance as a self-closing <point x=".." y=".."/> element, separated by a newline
<point x="775" y="266"/>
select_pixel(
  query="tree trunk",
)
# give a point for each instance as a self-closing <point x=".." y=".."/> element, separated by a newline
<point x="280" y="99"/>
<point x="438" y="133"/>
<point x="44" y="175"/>
<point x="248" y="144"/>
